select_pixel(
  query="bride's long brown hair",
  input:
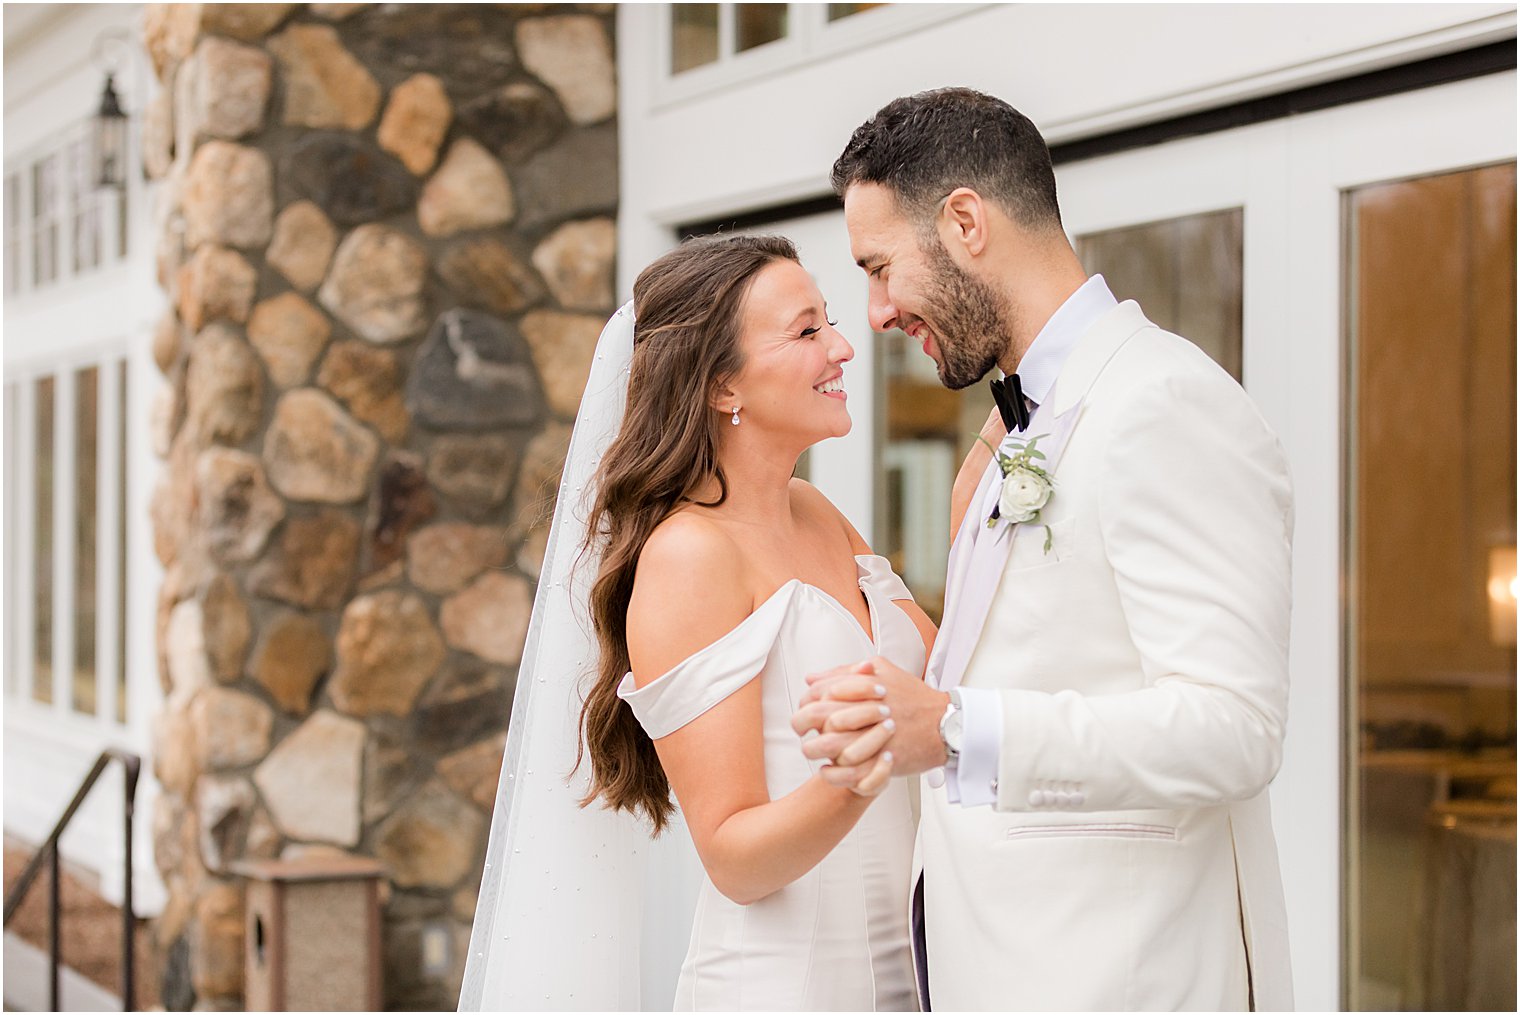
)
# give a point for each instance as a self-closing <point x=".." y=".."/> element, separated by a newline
<point x="688" y="307"/>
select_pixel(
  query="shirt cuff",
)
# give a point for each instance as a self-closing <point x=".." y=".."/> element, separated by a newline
<point x="975" y="773"/>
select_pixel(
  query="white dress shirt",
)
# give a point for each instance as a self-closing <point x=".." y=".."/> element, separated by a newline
<point x="974" y="781"/>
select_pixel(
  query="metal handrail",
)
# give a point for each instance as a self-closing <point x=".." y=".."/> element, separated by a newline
<point x="48" y="853"/>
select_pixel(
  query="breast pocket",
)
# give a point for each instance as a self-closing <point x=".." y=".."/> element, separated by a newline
<point x="1036" y="545"/>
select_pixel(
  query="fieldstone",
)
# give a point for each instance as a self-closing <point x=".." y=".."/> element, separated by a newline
<point x="228" y="196"/>
<point x="350" y="178"/>
<point x="238" y="510"/>
<point x="289" y="334"/>
<point x="166" y="342"/>
<point x="224" y="388"/>
<point x="216" y="283"/>
<point x="185" y="651"/>
<point x="391" y="771"/>
<point x="474" y="771"/>
<point x="302" y="245"/>
<point x="224" y="807"/>
<point x="475" y="472"/>
<point x="514" y="121"/>
<point x="490" y="618"/>
<point x="576" y="260"/>
<point x="310" y="781"/>
<point x="169" y="32"/>
<point x="311" y="563"/>
<point x="484" y="273"/>
<point x="469" y="191"/>
<point x="315" y="451"/>
<point x="228" y="628"/>
<point x="291" y="657"/>
<point x="473" y="373"/>
<point x="385" y="577"/>
<point x="165" y="412"/>
<point x="572" y="55"/>
<point x="468" y="700"/>
<point x="530" y="556"/>
<point x="471" y="45"/>
<point x="563" y="345"/>
<point x="216" y="935"/>
<point x="463" y="902"/>
<point x="325" y="85"/>
<point x="368" y="381"/>
<point x="376" y="284"/>
<point x="231" y="728"/>
<point x="249" y="22"/>
<point x="174" y="751"/>
<point x="388" y="649"/>
<point x="575" y="178"/>
<point x="415" y="122"/>
<point x="431" y="841"/>
<point x="264" y="839"/>
<point x="169" y="816"/>
<point x="405" y="501"/>
<point x="444" y="558"/>
<point x="335" y="12"/>
<point x="158" y="134"/>
<point x="538" y="482"/>
<point x="221" y="92"/>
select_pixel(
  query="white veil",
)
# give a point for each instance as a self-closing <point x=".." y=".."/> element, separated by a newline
<point x="579" y="909"/>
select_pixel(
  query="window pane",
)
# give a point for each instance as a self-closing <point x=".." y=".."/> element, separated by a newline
<point x="11" y="660"/>
<point x="1186" y="274"/>
<point x="757" y="24"/>
<point x="925" y="431"/>
<point x="42" y="571"/>
<point x="44" y="221"/>
<point x="121" y="544"/>
<point x="837" y="11"/>
<point x="694" y="36"/>
<point x="1431" y="630"/>
<point x="84" y="209"/>
<point x="85" y="516"/>
<point x="12" y="232"/>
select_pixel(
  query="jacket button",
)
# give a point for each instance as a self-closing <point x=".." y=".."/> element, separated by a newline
<point x="1078" y="799"/>
<point x="1036" y="798"/>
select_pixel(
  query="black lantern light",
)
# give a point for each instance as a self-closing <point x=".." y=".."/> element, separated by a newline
<point x="110" y="138"/>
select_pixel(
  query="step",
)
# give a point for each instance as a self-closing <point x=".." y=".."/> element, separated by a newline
<point x="26" y="983"/>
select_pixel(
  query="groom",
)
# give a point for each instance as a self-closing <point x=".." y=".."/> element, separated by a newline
<point x="1104" y="706"/>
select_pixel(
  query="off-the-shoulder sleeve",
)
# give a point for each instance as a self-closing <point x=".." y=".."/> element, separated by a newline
<point x="877" y="575"/>
<point x="711" y="674"/>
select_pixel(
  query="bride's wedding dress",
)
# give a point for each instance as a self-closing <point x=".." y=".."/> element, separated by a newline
<point x="836" y="939"/>
<point x="579" y="908"/>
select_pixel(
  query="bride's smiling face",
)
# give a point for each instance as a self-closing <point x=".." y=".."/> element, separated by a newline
<point x="792" y="381"/>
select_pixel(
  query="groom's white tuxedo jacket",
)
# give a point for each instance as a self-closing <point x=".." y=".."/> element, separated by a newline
<point x="1141" y="669"/>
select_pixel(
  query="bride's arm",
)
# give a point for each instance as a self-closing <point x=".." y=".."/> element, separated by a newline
<point x="689" y="591"/>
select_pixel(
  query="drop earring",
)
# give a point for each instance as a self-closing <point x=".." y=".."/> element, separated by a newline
<point x="735" y="420"/>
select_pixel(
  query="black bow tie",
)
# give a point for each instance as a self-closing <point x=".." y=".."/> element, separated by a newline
<point x="1009" y="396"/>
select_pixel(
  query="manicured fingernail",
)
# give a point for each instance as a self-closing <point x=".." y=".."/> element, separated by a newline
<point x="881" y="690"/>
<point x="890" y="724"/>
<point x="884" y="710"/>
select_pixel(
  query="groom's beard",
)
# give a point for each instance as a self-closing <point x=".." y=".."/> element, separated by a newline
<point x="970" y="324"/>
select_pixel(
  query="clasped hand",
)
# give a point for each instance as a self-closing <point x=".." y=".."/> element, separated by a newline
<point x="870" y="721"/>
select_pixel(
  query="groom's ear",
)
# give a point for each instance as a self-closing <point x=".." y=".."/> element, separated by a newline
<point x="963" y="221"/>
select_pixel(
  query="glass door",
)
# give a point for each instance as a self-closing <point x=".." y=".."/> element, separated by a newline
<point x="1356" y="311"/>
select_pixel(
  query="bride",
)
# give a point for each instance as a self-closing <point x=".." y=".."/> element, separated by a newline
<point x="709" y="567"/>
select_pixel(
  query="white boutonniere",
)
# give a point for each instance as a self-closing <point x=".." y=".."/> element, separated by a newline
<point x="1026" y="485"/>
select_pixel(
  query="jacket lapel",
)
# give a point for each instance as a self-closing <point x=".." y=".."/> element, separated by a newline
<point x="980" y="554"/>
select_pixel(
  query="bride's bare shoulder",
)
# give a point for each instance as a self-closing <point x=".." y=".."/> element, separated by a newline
<point x="689" y="589"/>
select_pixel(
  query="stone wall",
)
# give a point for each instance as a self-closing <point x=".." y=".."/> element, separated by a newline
<point x="386" y="234"/>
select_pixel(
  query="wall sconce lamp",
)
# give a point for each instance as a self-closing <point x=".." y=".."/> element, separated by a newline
<point x="1502" y="586"/>
<point x="108" y="147"/>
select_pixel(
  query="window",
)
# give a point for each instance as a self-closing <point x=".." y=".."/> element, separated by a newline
<point x="58" y="224"/>
<point x="65" y="539"/>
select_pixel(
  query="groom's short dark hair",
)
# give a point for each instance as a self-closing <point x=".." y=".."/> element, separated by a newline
<point x="924" y="146"/>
